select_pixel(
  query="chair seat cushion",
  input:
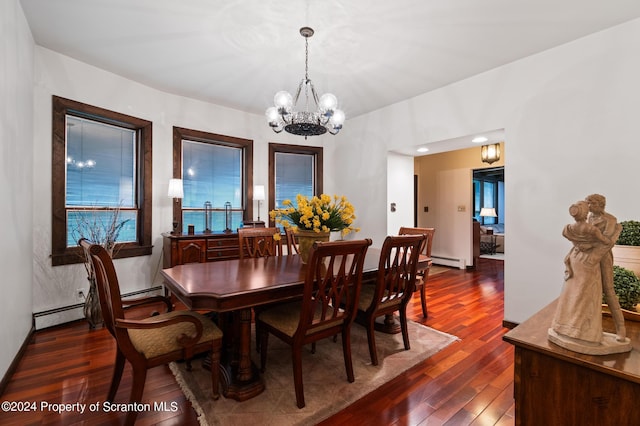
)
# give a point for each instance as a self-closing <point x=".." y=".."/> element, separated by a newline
<point x="286" y="318"/>
<point x="163" y="340"/>
<point x="367" y="292"/>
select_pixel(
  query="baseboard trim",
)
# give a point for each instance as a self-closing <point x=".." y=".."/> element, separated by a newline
<point x="16" y="360"/>
<point x="65" y="309"/>
<point x="509" y="324"/>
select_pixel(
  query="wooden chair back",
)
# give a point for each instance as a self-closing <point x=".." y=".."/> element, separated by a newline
<point x="396" y="277"/>
<point x="259" y="242"/>
<point x="290" y="241"/>
<point x="425" y="249"/>
<point x="334" y="274"/>
<point x="104" y="293"/>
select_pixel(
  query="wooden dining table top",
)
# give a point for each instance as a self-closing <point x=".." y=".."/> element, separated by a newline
<point x="243" y="283"/>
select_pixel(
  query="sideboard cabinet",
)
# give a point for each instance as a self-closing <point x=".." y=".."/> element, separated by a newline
<point x="183" y="248"/>
<point x="556" y="386"/>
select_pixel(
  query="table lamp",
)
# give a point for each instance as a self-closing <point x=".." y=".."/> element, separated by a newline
<point x="488" y="212"/>
<point x="258" y="195"/>
<point x="176" y="192"/>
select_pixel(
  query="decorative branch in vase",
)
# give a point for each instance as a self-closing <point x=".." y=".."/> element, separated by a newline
<point x="100" y="226"/>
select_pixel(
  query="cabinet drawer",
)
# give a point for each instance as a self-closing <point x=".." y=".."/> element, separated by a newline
<point x="222" y="253"/>
<point x="222" y="243"/>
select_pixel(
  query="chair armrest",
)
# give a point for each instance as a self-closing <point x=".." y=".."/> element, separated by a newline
<point x="150" y="324"/>
<point x="134" y="303"/>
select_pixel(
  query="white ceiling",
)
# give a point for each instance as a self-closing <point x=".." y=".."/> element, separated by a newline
<point x="369" y="53"/>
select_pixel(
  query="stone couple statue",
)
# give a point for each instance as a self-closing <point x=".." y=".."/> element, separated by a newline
<point x="577" y="324"/>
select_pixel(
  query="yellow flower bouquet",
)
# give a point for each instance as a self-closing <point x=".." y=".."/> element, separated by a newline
<point x="319" y="214"/>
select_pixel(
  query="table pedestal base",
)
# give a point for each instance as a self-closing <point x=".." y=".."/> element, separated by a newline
<point x="388" y="324"/>
<point x="239" y="377"/>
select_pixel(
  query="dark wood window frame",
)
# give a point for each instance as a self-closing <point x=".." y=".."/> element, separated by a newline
<point x="246" y="145"/>
<point x="274" y="148"/>
<point x="60" y="253"/>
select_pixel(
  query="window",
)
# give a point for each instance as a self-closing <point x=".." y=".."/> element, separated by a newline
<point x="216" y="173"/>
<point x="488" y="192"/>
<point x="101" y="163"/>
<point x="293" y="170"/>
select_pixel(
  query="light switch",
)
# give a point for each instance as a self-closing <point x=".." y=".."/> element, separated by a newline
<point x="462" y="208"/>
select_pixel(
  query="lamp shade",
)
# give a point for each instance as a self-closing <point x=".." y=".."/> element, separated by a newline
<point x="258" y="192"/>
<point x="175" y="188"/>
<point x="488" y="212"/>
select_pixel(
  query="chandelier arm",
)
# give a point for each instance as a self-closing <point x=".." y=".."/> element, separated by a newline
<point x="314" y="94"/>
<point x="295" y="98"/>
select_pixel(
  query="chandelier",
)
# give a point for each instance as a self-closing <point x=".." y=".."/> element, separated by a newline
<point x="284" y="115"/>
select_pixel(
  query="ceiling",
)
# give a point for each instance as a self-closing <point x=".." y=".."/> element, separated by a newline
<point x="369" y="53"/>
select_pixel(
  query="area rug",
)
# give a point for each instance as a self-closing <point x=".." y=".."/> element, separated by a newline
<point x="326" y="388"/>
<point x="437" y="269"/>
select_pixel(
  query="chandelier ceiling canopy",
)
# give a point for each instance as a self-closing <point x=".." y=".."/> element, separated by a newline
<point x="325" y="117"/>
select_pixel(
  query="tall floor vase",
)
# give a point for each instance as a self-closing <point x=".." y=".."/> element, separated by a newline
<point x="92" y="311"/>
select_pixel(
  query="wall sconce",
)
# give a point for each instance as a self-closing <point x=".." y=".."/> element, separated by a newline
<point x="490" y="153"/>
<point x="258" y="195"/>
<point x="176" y="192"/>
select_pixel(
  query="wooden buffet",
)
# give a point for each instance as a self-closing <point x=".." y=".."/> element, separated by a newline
<point x="556" y="386"/>
<point x="199" y="248"/>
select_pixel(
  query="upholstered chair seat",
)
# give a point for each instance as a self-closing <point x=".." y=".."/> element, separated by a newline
<point x="161" y="341"/>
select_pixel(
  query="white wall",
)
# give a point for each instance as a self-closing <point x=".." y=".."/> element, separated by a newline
<point x="570" y="117"/>
<point x="16" y="179"/>
<point x="399" y="191"/>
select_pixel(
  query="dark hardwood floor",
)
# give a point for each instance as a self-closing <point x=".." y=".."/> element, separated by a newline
<point x="469" y="382"/>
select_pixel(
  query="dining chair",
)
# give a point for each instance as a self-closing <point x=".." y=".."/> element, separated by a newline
<point x="333" y="274"/>
<point x="392" y="289"/>
<point x="425" y="250"/>
<point x="152" y="341"/>
<point x="290" y="241"/>
<point x="259" y="242"/>
<point x="254" y="243"/>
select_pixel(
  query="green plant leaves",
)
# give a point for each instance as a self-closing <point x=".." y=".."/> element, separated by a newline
<point x="630" y="235"/>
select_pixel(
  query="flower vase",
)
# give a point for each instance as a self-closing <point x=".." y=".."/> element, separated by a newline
<point x="306" y="240"/>
<point x="92" y="311"/>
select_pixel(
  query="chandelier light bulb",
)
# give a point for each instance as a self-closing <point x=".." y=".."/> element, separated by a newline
<point x="338" y="117"/>
<point x="283" y="99"/>
<point x="272" y="114"/>
<point x="328" y="102"/>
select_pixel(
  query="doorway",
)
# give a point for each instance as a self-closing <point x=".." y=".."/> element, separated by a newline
<point x="489" y="209"/>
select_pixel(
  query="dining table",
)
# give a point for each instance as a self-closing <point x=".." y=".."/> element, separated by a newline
<point x="231" y="288"/>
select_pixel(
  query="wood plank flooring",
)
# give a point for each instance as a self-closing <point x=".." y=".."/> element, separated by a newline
<point x="468" y="383"/>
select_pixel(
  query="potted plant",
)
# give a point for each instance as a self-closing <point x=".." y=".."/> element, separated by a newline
<point x="626" y="252"/>
<point x="627" y="287"/>
<point x="313" y="219"/>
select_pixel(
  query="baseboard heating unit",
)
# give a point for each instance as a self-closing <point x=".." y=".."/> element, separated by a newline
<point x="449" y="261"/>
